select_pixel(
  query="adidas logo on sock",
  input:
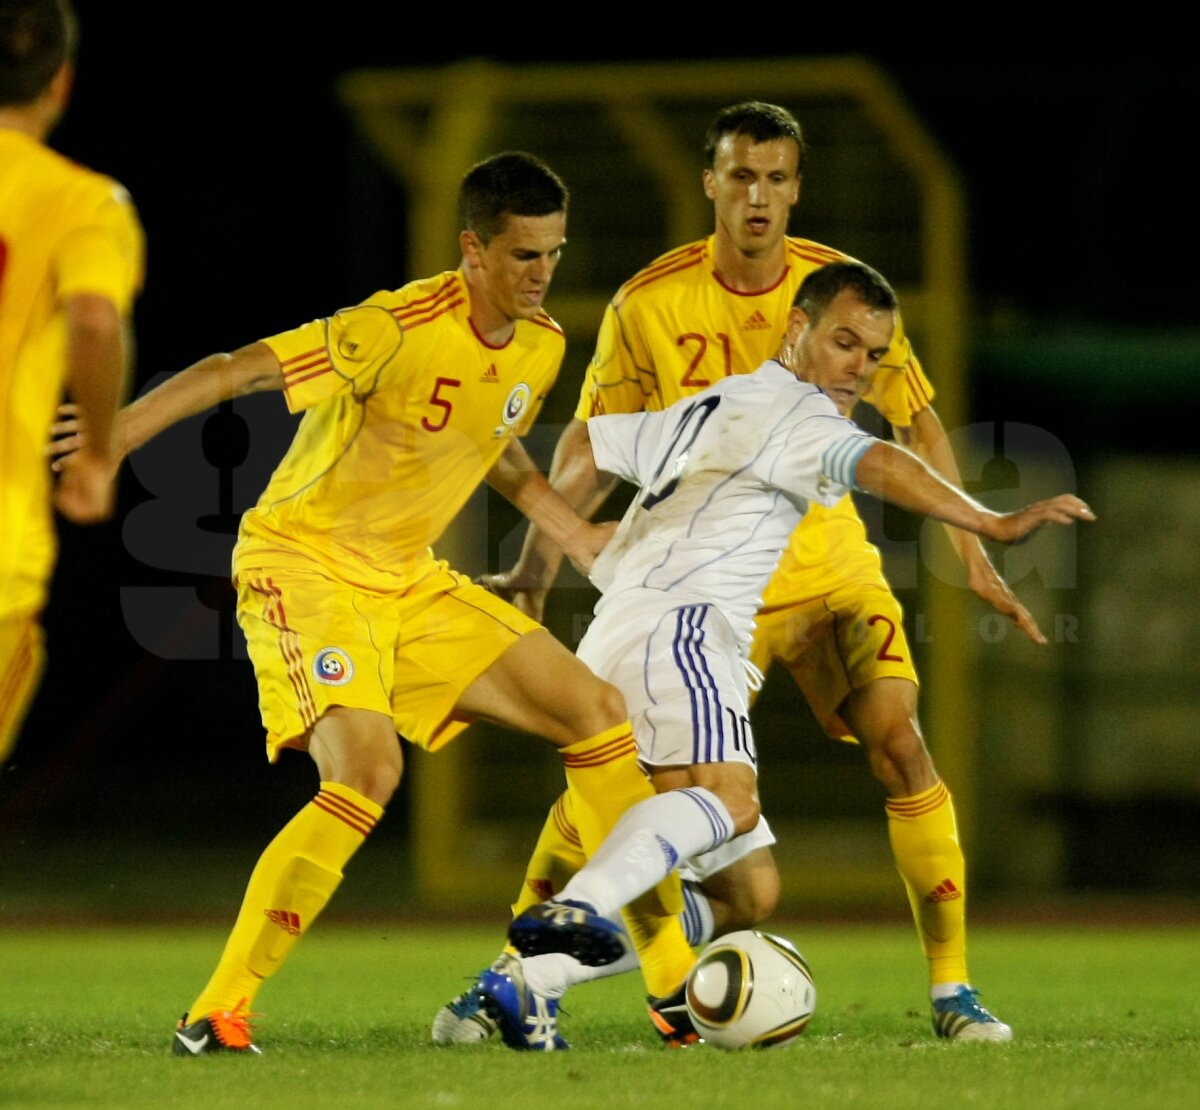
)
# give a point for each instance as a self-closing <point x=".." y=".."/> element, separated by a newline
<point x="543" y="888"/>
<point x="945" y="891"/>
<point x="756" y="321"/>
<point x="288" y="921"/>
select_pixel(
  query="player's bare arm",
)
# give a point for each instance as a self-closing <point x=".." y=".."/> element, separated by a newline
<point x="98" y="348"/>
<point x="573" y="475"/>
<point x="517" y="477"/>
<point x="195" y="389"/>
<point x="894" y="474"/>
<point x="927" y="437"/>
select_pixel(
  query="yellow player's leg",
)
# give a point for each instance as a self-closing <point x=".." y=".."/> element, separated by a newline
<point x="22" y="659"/>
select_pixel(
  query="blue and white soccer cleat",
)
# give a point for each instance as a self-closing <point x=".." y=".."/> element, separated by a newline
<point x="528" y="1022"/>
<point x="464" y="1020"/>
<point x="961" y="1018"/>
<point x="570" y="927"/>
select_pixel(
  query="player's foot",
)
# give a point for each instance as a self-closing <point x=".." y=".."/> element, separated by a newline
<point x="571" y="927"/>
<point x="464" y="1019"/>
<point x="671" y="1018"/>
<point x="527" y="1021"/>
<point x="220" y="1031"/>
<point x="961" y="1018"/>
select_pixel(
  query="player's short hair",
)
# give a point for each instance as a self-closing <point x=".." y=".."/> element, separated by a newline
<point x="509" y="184"/>
<point x="36" y="37"/>
<point x="758" y="121"/>
<point x="818" y="290"/>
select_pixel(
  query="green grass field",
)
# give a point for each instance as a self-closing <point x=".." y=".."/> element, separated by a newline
<point x="1102" y="1017"/>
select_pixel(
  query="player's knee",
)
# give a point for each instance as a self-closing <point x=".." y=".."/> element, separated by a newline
<point x="601" y="707"/>
<point x="753" y="903"/>
<point x="743" y="808"/>
<point x="900" y="760"/>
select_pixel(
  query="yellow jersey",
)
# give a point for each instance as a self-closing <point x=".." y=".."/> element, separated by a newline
<point x="64" y="230"/>
<point x="406" y="409"/>
<point x="675" y="328"/>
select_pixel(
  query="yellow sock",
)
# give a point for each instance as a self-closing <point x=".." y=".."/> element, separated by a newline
<point x="557" y="855"/>
<point x="603" y="781"/>
<point x="924" y="836"/>
<point x="292" y="883"/>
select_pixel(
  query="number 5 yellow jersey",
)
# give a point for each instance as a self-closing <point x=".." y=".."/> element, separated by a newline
<point x="406" y="409"/>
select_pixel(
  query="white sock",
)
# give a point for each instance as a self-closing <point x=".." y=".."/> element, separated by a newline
<point x="550" y="975"/>
<point x="697" y="916"/>
<point x="945" y="990"/>
<point x="646" y="844"/>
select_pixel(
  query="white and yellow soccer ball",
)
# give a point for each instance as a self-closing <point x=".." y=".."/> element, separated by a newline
<point x="750" y="989"/>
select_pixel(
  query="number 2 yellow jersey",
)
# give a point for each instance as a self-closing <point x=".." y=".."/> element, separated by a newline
<point x="406" y="409"/>
<point x="675" y="328"/>
<point x="64" y="230"/>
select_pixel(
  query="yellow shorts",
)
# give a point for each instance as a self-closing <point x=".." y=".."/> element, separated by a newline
<point x="316" y="642"/>
<point x="835" y="644"/>
<point x="22" y="659"/>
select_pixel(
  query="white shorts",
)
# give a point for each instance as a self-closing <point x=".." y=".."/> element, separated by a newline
<point x="681" y="670"/>
<point x="698" y="868"/>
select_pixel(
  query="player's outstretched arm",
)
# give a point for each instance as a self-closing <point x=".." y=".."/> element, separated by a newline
<point x="517" y="477"/>
<point x="927" y="437"/>
<point x="574" y="477"/>
<point x="199" y="387"/>
<point x="896" y="475"/>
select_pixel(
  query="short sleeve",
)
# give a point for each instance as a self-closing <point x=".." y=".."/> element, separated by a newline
<point x="899" y="388"/>
<point x="343" y="353"/>
<point x="620" y="376"/>
<point x="811" y="452"/>
<point x="105" y="253"/>
<point x="615" y="442"/>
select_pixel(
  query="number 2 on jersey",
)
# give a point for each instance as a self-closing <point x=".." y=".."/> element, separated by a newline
<point x="689" y="379"/>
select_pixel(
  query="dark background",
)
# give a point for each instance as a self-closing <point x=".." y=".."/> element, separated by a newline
<point x="228" y="136"/>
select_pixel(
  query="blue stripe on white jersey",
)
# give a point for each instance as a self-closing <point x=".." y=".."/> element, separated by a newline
<point x="839" y="459"/>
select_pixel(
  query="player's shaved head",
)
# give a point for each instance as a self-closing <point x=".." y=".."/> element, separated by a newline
<point x="758" y="121"/>
<point x="822" y="286"/>
<point x="36" y="38"/>
<point x="509" y="184"/>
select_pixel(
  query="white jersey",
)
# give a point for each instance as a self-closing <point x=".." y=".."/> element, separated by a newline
<point x="725" y="477"/>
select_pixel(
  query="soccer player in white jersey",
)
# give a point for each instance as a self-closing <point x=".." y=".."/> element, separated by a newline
<point x="724" y="477"/>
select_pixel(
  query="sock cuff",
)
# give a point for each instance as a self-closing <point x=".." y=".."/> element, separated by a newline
<point x="919" y="804"/>
<point x="349" y="806"/>
<point x="698" y="924"/>
<point x="714" y="809"/>
<point x="564" y="823"/>
<point x="605" y="747"/>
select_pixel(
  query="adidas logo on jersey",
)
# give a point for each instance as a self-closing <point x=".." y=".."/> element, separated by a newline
<point x="288" y="921"/>
<point x="945" y="891"/>
<point x="756" y="321"/>
<point x="490" y="375"/>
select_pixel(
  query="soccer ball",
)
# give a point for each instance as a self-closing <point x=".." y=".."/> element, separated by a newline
<point x="750" y="989"/>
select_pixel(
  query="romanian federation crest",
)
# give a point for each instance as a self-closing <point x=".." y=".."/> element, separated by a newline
<point x="514" y="407"/>
<point x="332" y="667"/>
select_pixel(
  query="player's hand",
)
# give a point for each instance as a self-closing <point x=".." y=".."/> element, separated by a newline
<point x="507" y="586"/>
<point x="986" y="582"/>
<point x="1066" y="508"/>
<point x="587" y="542"/>
<point x="86" y="489"/>
<point x="69" y="435"/>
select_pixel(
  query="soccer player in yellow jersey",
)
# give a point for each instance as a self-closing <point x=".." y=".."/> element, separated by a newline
<point x="356" y="632"/>
<point x="719" y="307"/>
<point x="70" y="265"/>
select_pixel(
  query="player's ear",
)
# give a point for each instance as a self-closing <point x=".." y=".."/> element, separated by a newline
<point x="471" y="246"/>
<point x="797" y="321"/>
<point x="796" y="192"/>
<point x="710" y="186"/>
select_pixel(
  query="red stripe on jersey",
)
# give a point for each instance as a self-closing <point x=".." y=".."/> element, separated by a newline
<point x="424" y="304"/>
<point x="807" y="249"/>
<point x="668" y="259"/>
<point x="409" y="324"/>
<point x="292" y="382"/>
<point x="641" y="282"/>
<point x="544" y="321"/>
<point x="915" y="386"/>
<point x="449" y="286"/>
<point x="308" y="364"/>
<point x="819" y="259"/>
<point x="307" y="354"/>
